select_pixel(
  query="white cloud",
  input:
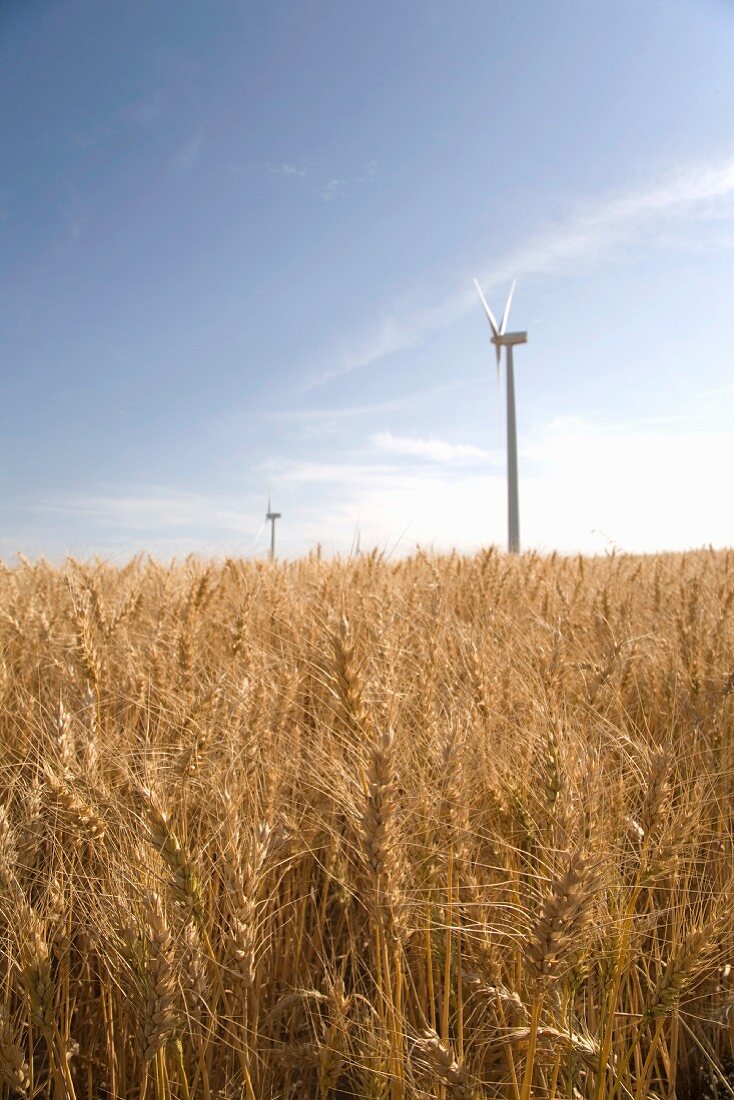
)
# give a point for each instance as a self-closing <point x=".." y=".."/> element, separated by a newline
<point x="591" y="231"/>
<point x="435" y="450"/>
<point x="286" y="170"/>
<point x="332" y="189"/>
<point x="350" y="475"/>
<point x="647" y="487"/>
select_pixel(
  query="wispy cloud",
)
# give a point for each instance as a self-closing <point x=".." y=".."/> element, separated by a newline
<point x="351" y="473"/>
<point x="368" y="173"/>
<point x="332" y="189"/>
<point x="288" y="171"/>
<point x="156" y="509"/>
<point x="591" y="231"/>
<point x="435" y="450"/>
<point x="329" y="415"/>
<point x="649" y="485"/>
<point x="145" y="111"/>
<point x="188" y="152"/>
<point x="338" y="186"/>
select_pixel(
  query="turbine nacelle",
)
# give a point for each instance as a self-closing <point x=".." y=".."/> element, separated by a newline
<point x="509" y="339"/>
<point x="501" y="338"/>
<point x="270" y="514"/>
<point x="270" y="517"/>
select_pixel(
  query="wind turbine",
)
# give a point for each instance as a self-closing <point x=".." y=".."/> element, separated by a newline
<point x="503" y="339"/>
<point x="271" y="517"/>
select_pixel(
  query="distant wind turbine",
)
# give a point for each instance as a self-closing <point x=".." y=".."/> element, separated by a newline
<point x="502" y="339"/>
<point x="271" y="517"/>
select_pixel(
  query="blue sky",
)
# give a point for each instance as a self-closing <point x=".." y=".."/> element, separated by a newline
<point x="238" y="242"/>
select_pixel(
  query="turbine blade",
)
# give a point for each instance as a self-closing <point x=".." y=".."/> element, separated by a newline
<point x="490" y="316"/>
<point x="506" y="314"/>
<point x="498" y="349"/>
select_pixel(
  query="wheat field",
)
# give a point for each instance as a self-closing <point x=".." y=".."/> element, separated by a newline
<point x="440" y="827"/>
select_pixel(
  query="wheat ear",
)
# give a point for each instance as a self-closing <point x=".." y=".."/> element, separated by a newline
<point x="444" y="1065"/>
<point x="14" y="1071"/>
<point x="563" y="917"/>
<point x="185" y="882"/>
<point x="162" y="1017"/>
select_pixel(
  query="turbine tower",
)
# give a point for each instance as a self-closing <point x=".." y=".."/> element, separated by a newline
<point x="503" y="339"/>
<point x="271" y="517"/>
